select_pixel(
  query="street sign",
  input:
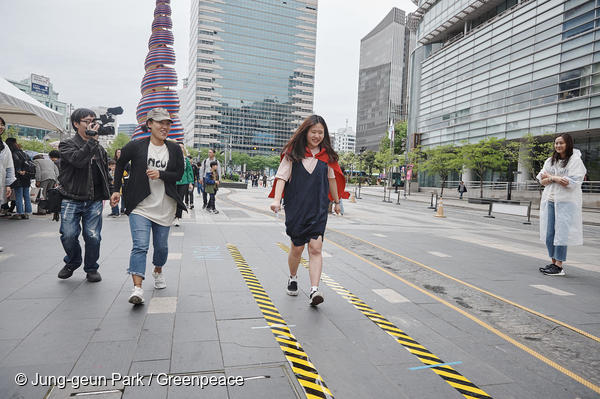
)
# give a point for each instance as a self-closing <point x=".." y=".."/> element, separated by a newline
<point x="40" y="84"/>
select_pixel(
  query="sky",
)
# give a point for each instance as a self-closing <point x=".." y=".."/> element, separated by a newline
<point x="93" y="51"/>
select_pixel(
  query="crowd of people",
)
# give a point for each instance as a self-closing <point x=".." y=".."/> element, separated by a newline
<point x="152" y="180"/>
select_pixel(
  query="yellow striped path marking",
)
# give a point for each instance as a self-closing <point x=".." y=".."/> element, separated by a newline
<point x="482" y="323"/>
<point x="306" y="373"/>
<point x="498" y="297"/>
<point x="446" y="372"/>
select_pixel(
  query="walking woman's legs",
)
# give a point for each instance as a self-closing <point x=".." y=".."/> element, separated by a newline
<point x="294" y="258"/>
<point x="315" y="260"/>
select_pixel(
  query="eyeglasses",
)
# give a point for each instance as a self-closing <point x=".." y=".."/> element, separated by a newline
<point x="88" y="121"/>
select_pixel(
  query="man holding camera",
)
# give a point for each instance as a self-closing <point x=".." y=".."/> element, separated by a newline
<point x="83" y="184"/>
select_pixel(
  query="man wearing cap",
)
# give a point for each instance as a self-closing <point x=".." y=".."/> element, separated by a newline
<point x="152" y="200"/>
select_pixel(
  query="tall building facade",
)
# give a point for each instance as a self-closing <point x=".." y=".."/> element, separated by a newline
<point x="507" y="68"/>
<point x="251" y="72"/>
<point x="383" y="76"/>
<point x="344" y="139"/>
<point x="41" y="88"/>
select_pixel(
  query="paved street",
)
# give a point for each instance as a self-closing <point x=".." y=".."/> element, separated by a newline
<point x="403" y="291"/>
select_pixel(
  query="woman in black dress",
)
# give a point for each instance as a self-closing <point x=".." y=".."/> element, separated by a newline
<point x="308" y="178"/>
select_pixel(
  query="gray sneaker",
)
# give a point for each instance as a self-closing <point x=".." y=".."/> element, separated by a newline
<point x="553" y="270"/>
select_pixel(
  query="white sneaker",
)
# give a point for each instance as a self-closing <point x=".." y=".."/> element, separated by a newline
<point x="137" y="296"/>
<point x="159" y="280"/>
<point x="176" y="223"/>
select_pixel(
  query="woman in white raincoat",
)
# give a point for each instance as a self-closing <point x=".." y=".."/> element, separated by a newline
<point x="560" y="209"/>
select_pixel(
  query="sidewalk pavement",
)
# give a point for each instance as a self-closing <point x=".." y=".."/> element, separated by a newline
<point x="590" y="217"/>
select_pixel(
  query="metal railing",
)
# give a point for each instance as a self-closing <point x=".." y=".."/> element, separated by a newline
<point x="530" y="185"/>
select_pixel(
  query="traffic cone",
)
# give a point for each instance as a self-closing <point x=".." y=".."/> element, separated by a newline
<point x="352" y="198"/>
<point x="440" y="209"/>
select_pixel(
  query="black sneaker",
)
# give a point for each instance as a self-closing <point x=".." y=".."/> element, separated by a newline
<point x="292" y="287"/>
<point x="93" y="276"/>
<point x="554" y="270"/>
<point x="316" y="298"/>
<point x="204" y="206"/>
<point x="542" y="269"/>
<point x="65" y="272"/>
<point x="192" y="206"/>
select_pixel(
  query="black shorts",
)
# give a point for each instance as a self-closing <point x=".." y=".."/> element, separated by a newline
<point x="304" y="239"/>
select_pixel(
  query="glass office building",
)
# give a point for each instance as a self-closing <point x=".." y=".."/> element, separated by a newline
<point x="382" y="81"/>
<point x="505" y="69"/>
<point x="251" y="72"/>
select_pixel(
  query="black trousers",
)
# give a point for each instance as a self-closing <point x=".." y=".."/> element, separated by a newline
<point x="181" y="191"/>
<point x="204" y="198"/>
<point x="211" y="202"/>
<point x="189" y="197"/>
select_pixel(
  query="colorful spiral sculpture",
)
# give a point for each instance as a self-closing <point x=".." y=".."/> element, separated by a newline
<point x="160" y="79"/>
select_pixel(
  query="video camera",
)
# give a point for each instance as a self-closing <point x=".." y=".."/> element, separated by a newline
<point x="106" y="121"/>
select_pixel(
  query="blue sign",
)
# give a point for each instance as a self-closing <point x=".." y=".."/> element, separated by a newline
<point x="40" y="89"/>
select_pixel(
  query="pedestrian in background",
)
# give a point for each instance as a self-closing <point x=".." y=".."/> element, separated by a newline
<point x="205" y="169"/>
<point x="83" y="184"/>
<point x="156" y="166"/>
<point x="46" y="177"/>
<point x="7" y="171"/>
<point x="54" y="156"/>
<point x="185" y="184"/>
<point x="125" y="180"/>
<point x="211" y="185"/>
<point x="114" y="210"/>
<point x="189" y="195"/>
<point x="462" y="188"/>
<point x="24" y="172"/>
<point x="561" y="222"/>
<point x="307" y="179"/>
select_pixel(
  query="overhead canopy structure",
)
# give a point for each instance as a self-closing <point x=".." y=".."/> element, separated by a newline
<point x="18" y="108"/>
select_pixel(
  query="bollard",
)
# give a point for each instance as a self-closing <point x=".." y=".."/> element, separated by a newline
<point x="440" y="209"/>
<point x="431" y="205"/>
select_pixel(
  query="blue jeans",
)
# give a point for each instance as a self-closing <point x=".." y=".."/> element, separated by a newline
<point x="74" y="215"/>
<point x="22" y="193"/>
<point x="558" y="252"/>
<point x="140" y="235"/>
<point x="115" y="210"/>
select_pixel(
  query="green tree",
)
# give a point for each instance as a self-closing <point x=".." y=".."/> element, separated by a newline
<point x="348" y="160"/>
<point x="533" y="152"/>
<point x="272" y="161"/>
<point x="239" y="159"/>
<point x="400" y="137"/>
<point x="488" y="154"/>
<point x="368" y="157"/>
<point x="193" y="152"/>
<point x="442" y="161"/>
<point x="119" y="142"/>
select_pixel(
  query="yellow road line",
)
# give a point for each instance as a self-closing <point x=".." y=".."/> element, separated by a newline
<point x="306" y="374"/>
<point x="499" y="333"/>
<point x="465" y="387"/>
<point x="570" y="327"/>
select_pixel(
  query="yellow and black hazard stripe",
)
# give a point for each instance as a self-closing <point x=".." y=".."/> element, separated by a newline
<point x="441" y="368"/>
<point x="306" y="373"/>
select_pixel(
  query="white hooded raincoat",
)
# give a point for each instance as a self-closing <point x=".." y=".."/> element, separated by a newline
<point x="568" y="226"/>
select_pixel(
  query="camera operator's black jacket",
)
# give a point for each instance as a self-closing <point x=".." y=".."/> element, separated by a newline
<point x="138" y="186"/>
<point x="76" y="174"/>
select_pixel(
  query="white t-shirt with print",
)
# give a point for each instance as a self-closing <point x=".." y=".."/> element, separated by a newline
<point x="157" y="207"/>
